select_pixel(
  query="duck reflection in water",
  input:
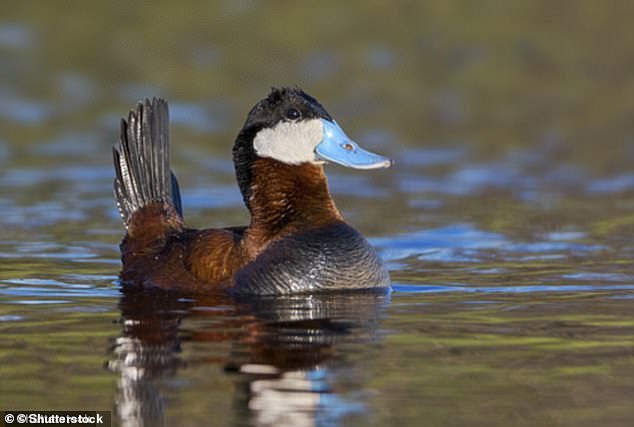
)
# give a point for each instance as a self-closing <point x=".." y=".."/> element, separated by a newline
<point x="281" y="354"/>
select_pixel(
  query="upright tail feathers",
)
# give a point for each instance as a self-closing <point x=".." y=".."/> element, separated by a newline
<point x="141" y="161"/>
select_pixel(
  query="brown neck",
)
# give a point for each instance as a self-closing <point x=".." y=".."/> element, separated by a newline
<point x="285" y="198"/>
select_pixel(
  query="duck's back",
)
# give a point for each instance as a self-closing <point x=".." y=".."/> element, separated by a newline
<point x="329" y="257"/>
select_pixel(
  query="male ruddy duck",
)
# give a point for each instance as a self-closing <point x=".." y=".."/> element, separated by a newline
<point x="296" y="242"/>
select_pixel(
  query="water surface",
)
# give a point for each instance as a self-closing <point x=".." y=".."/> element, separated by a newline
<point x="506" y="224"/>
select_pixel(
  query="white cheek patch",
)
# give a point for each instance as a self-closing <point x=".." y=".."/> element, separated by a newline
<point x="292" y="143"/>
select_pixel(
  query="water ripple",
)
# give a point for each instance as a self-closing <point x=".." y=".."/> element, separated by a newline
<point x="405" y="288"/>
<point x="465" y="243"/>
<point x="41" y="290"/>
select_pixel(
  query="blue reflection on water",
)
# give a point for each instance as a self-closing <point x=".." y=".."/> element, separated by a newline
<point x="16" y="36"/>
<point x="616" y="184"/>
<point x="49" y="288"/>
<point x="22" y="110"/>
<point x="217" y="196"/>
<point x="194" y="116"/>
<point x="465" y="243"/>
<point x="405" y="288"/>
<point x="440" y="243"/>
<point x="11" y="318"/>
<point x="76" y="175"/>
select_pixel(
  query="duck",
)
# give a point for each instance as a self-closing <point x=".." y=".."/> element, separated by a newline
<point x="297" y="241"/>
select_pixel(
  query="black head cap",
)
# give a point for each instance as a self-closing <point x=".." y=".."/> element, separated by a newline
<point x="279" y="105"/>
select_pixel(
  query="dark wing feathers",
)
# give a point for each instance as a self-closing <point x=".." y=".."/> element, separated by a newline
<point x="141" y="160"/>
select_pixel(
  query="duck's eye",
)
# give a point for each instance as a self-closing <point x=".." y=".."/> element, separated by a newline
<point x="293" y="114"/>
<point x="348" y="147"/>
